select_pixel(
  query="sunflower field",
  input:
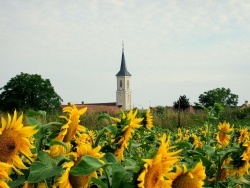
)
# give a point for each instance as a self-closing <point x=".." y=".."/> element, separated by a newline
<point x="130" y="152"/>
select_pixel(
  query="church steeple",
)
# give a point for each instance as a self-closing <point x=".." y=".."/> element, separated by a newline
<point x="123" y="69"/>
<point x="123" y="92"/>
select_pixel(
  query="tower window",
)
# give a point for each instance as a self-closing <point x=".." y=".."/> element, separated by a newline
<point x="120" y="83"/>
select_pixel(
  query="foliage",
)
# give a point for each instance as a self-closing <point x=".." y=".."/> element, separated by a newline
<point x="169" y="118"/>
<point x="218" y="95"/>
<point x="236" y="114"/>
<point x="160" y="109"/>
<point x="221" y="149"/>
<point x="182" y="103"/>
<point x="29" y="91"/>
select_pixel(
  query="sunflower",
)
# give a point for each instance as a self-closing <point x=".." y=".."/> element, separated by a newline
<point x="239" y="166"/>
<point x="188" y="179"/>
<point x="4" y="167"/>
<point x="64" y="181"/>
<point x="195" y="140"/>
<point x="127" y="130"/>
<point x="15" y="140"/>
<point x="56" y="150"/>
<point x="244" y="135"/>
<point x="85" y="138"/>
<point x="68" y="130"/>
<point x="239" y="161"/>
<point x="222" y="135"/>
<point x="223" y="171"/>
<point x="72" y="126"/>
<point x="148" y="119"/>
<point x="246" y="154"/>
<point x="69" y="181"/>
<point x="156" y="170"/>
<point x="179" y="134"/>
<point x="186" y="134"/>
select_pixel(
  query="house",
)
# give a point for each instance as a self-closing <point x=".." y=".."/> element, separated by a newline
<point x="110" y="108"/>
<point x="245" y="105"/>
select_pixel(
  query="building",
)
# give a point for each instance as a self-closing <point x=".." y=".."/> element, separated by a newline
<point x="245" y="105"/>
<point x="123" y="94"/>
<point x="109" y="107"/>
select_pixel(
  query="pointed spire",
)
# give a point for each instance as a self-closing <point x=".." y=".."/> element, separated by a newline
<point x="122" y="46"/>
<point x="123" y="69"/>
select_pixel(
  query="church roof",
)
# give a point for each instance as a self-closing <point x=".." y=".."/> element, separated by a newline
<point x="109" y="108"/>
<point x="123" y="69"/>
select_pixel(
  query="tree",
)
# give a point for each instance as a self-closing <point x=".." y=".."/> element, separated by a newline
<point x="29" y="91"/>
<point x="182" y="103"/>
<point x="219" y="95"/>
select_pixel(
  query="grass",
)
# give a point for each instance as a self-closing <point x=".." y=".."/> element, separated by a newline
<point x="166" y="118"/>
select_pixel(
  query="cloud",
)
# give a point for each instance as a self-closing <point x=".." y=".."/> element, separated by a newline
<point x="166" y="43"/>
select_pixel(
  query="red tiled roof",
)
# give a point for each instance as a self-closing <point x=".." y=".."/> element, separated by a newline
<point x="91" y="108"/>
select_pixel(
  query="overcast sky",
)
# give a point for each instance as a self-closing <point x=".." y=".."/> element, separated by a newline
<point x="172" y="48"/>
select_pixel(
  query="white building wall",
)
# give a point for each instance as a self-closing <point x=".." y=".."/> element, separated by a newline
<point x="123" y="92"/>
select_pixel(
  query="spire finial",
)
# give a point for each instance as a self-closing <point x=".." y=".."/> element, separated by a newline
<point x="122" y="46"/>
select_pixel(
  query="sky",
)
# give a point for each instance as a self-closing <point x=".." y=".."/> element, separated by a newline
<point x="172" y="47"/>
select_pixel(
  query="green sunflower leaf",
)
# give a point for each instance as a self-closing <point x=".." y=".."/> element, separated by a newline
<point x="104" y="116"/>
<point x="32" y="121"/>
<point x="56" y="142"/>
<point x="99" y="182"/>
<point x="18" y="182"/>
<point x="184" y="144"/>
<point x="121" y="178"/>
<point x="86" y="166"/>
<point x="45" y="167"/>
<point x="209" y="150"/>
<point x="110" y="158"/>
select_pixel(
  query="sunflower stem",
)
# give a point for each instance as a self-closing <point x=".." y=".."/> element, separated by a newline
<point x="45" y="182"/>
<point x="222" y="158"/>
<point x="108" y="181"/>
<point x="99" y="137"/>
<point x="218" y="172"/>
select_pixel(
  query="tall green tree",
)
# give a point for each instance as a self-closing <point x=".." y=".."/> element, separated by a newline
<point x="222" y="96"/>
<point x="182" y="103"/>
<point x="29" y="91"/>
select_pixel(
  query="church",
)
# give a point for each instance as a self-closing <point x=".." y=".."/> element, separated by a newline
<point x="123" y="93"/>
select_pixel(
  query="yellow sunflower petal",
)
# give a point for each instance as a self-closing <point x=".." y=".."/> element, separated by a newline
<point x="3" y="184"/>
<point x="18" y="162"/>
<point x="199" y="171"/>
<point x="4" y="124"/>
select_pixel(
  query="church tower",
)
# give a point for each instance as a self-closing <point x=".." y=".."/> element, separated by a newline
<point x="123" y="92"/>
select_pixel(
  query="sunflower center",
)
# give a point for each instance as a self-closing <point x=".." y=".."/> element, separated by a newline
<point x="79" y="181"/>
<point x="185" y="181"/>
<point x="153" y="176"/>
<point x="223" y="174"/>
<point x="223" y="136"/>
<point x="238" y="162"/>
<point x="9" y="145"/>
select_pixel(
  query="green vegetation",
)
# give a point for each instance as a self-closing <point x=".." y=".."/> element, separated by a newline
<point x="127" y="147"/>
<point x="182" y="103"/>
<point x="218" y="95"/>
<point x="168" y="118"/>
<point x="29" y="92"/>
